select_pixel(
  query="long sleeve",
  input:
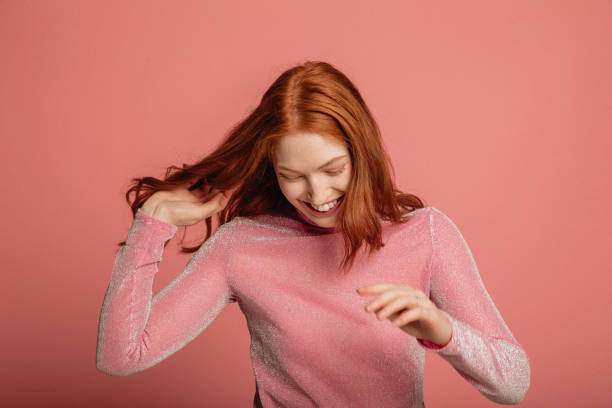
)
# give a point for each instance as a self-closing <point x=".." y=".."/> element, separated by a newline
<point x="136" y="330"/>
<point x="482" y="348"/>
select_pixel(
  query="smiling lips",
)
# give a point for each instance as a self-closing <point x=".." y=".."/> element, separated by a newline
<point x="329" y="210"/>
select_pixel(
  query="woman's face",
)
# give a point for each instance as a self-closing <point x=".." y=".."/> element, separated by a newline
<point x="314" y="169"/>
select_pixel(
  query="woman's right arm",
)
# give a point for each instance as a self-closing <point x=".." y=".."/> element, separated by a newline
<point x="136" y="330"/>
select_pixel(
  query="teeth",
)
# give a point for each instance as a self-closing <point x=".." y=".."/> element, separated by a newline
<point x="326" y="206"/>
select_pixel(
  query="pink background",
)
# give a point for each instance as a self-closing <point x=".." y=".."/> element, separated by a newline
<point x="495" y="112"/>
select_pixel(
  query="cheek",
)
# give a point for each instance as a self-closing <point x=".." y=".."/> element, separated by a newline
<point x="346" y="180"/>
<point x="290" y="191"/>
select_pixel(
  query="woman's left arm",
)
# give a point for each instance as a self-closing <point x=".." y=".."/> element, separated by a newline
<point x="481" y="348"/>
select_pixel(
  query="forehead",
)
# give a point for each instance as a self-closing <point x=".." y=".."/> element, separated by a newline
<point x="307" y="148"/>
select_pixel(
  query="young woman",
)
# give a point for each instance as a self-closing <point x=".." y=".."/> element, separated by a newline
<point x="301" y="188"/>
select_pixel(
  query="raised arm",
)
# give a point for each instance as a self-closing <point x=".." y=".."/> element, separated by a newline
<point x="136" y="330"/>
<point x="482" y="348"/>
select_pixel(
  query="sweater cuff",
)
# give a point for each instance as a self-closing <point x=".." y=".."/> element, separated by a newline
<point x="149" y="234"/>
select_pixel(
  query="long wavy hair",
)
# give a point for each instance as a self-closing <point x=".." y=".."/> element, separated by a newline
<point x="313" y="97"/>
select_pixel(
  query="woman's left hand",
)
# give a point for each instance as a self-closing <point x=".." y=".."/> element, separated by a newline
<point x="410" y="310"/>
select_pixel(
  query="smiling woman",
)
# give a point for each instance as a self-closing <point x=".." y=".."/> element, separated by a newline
<point x="317" y="192"/>
<point x="303" y="177"/>
<point x="311" y="140"/>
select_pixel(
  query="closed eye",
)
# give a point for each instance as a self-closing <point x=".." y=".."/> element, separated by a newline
<point x="332" y="173"/>
<point x="290" y="178"/>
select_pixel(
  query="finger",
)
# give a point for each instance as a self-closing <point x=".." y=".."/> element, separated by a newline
<point x="217" y="198"/>
<point x="396" y="305"/>
<point x="407" y="317"/>
<point x="210" y="206"/>
<point x="390" y="295"/>
<point x="224" y="199"/>
<point x="199" y="194"/>
<point x="210" y="195"/>
<point x="375" y="288"/>
<point x="383" y="299"/>
<point x="399" y="304"/>
<point x="221" y="199"/>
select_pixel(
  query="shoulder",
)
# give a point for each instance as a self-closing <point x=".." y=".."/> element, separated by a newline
<point x="421" y="215"/>
<point x="441" y="219"/>
<point x="419" y="212"/>
<point x="426" y="211"/>
<point x="432" y="214"/>
<point x="413" y="224"/>
<point x="432" y="218"/>
<point x="444" y="230"/>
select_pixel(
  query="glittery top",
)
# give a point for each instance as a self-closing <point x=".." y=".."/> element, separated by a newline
<point x="312" y="342"/>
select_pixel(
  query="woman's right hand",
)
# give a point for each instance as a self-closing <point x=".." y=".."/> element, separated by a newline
<point x="183" y="207"/>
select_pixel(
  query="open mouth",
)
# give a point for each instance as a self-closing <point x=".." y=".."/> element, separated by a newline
<point x="329" y="211"/>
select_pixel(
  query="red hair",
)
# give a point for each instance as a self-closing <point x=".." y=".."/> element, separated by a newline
<point x="313" y="97"/>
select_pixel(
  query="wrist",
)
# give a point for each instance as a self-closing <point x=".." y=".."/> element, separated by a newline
<point x="445" y="334"/>
<point x="149" y="208"/>
<point x="159" y="212"/>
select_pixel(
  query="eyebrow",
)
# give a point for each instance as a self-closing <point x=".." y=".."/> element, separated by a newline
<point x="325" y="164"/>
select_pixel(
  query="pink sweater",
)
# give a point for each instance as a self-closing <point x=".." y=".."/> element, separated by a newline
<point x="312" y="342"/>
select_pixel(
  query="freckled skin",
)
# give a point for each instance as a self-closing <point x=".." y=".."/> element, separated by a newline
<point x="305" y="153"/>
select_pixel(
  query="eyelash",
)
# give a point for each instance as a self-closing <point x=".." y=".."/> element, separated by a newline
<point x="333" y="173"/>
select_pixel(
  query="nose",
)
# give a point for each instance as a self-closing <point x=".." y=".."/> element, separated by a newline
<point x="320" y="193"/>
